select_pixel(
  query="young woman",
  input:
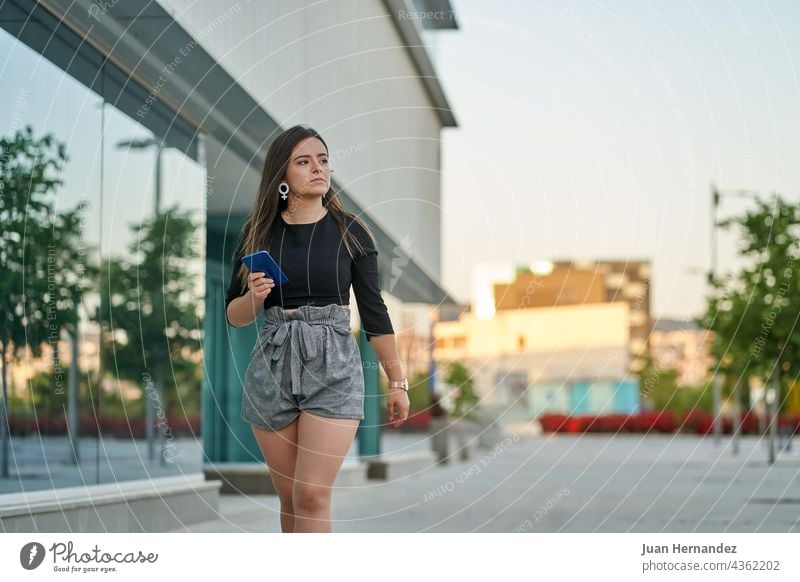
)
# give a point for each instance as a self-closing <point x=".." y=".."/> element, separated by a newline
<point x="304" y="388"/>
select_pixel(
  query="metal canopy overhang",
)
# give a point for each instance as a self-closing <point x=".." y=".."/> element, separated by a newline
<point x="142" y="41"/>
<point x="409" y="30"/>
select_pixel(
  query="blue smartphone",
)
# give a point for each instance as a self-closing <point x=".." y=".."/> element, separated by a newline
<point x="262" y="262"/>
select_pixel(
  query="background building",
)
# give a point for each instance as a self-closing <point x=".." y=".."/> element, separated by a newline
<point x="682" y="346"/>
<point x="587" y="282"/>
<point x="564" y="336"/>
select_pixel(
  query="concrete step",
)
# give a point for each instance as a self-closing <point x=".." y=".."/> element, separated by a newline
<point x="145" y="505"/>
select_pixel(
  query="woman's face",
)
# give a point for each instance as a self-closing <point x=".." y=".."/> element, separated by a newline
<point x="308" y="171"/>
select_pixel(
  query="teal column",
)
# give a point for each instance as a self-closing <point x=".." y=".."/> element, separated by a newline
<point x="214" y="366"/>
<point x="226" y="355"/>
<point x="369" y="431"/>
<point x="242" y="445"/>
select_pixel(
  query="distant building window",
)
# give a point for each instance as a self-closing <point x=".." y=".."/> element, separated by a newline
<point x="459" y="341"/>
<point x="634" y="290"/>
<point x="616" y="280"/>
<point x="521" y="342"/>
<point x="637" y="317"/>
<point x="637" y="345"/>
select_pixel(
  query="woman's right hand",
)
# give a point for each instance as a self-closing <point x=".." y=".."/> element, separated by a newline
<point x="259" y="285"/>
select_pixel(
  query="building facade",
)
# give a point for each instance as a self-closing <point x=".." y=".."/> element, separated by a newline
<point x="684" y="347"/>
<point x="173" y="104"/>
<point x="563" y="336"/>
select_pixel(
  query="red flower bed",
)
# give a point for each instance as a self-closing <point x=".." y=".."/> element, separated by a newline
<point x="552" y="422"/>
<point x="574" y="424"/>
<point x="691" y="421"/>
<point x="125" y="428"/>
<point x="660" y="421"/>
<point x="608" y="423"/>
<point x="750" y="423"/>
<point x="790" y="421"/>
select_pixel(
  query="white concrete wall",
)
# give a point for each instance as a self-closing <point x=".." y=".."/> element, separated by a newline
<point x="339" y="67"/>
<point x="231" y="182"/>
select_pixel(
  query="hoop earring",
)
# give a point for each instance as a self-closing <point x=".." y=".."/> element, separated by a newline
<point x="283" y="188"/>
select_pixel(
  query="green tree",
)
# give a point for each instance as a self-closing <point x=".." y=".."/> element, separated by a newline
<point x="659" y="388"/>
<point x="754" y="313"/>
<point x="149" y="313"/>
<point x="419" y="392"/>
<point x="465" y="401"/>
<point x="36" y="299"/>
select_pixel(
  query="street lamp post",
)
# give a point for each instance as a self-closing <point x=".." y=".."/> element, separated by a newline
<point x="149" y="405"/>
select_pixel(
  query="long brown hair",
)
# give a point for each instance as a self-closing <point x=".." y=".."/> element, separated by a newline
<point x="257" y="231"/>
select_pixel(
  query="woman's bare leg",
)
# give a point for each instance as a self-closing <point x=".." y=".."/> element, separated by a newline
<point x="322" y="444"/>
<point x="280" y="452"/>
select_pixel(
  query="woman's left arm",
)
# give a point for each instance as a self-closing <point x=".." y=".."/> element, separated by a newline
<point x="386" y="349"/>
<point x="375" y="318"/>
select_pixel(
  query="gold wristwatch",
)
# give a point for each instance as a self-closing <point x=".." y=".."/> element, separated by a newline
<point x="400" y="384"/>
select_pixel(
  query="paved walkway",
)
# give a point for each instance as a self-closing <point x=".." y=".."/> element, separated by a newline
<point x="561" y="483"/>
<point x="624" y="483"/>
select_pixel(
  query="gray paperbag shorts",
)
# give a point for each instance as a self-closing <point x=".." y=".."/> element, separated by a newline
<point x="307" y="359"/>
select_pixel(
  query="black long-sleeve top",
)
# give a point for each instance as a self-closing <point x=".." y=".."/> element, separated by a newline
<point x="320" y="271"/>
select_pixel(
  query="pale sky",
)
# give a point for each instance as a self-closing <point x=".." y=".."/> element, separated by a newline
<point x="593" y="130"/>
